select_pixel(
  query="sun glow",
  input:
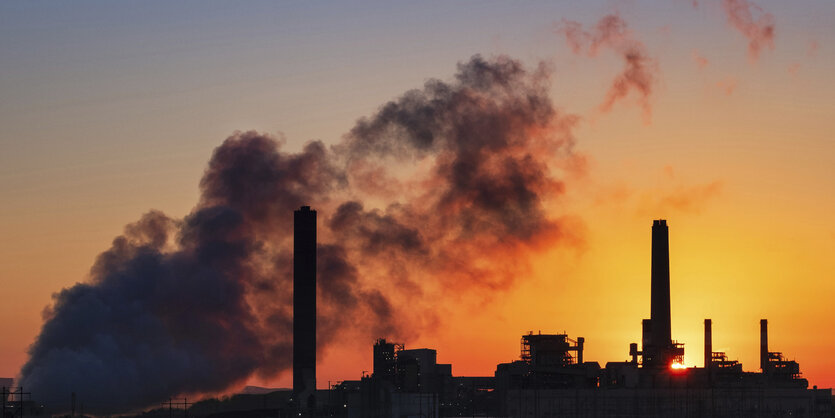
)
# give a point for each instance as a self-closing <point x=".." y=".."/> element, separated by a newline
<point x="678" y="366"/>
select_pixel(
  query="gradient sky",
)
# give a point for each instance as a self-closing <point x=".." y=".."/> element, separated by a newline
<point x="109" y="110"/>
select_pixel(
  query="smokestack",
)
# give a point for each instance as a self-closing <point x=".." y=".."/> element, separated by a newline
<point x="708" y="343"/>
<point x="304" y="307"/>
<point x="580" y="342"/>
<point x="763" y="344"/>
<point x="660" y="308"/>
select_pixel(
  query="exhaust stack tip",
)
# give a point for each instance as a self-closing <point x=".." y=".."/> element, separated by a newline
<point x="708" y="343"/>
<point x="763" y="344"/>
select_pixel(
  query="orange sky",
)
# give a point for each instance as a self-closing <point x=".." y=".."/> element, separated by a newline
<point x="99" y="125"/>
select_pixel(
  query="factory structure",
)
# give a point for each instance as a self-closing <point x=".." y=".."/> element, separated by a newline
<point x="551" y="378"/>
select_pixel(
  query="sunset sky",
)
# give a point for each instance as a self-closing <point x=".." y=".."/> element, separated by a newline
<point x="109" y="110"/>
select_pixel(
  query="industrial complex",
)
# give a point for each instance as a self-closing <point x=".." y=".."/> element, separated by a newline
<point x="551" y="378"/>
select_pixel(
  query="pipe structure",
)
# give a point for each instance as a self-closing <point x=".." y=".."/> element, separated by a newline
<point x="763" y="344"/>
<point x="708" y="343"/>
<point x="660" y="298"/>
<point x="304" y="307"/>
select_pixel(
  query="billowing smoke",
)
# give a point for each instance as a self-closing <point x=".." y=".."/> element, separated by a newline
<point x="639" y="72"/>
<point x="445" y="188"/>
<point x="192" y="305"/>
<point x="754" y="23"/>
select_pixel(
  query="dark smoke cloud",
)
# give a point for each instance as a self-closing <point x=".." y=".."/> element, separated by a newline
<point x="341" y="295"/>
<point x="248" y="174"/>
<point x="751" y="21"/>
<point x="491" y="133"/>
<point x="151" y="323"/>
<point x="492" y="136"/>
<point x="639" y="72"/>
<point x="197" y="305"/>
<point x="190" y="306"/>
<point x="375" y="232"/>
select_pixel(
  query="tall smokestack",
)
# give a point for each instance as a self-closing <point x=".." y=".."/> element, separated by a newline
<point x="708" y="343"/>
<point x="763" y="344"/>
<point x="304" y="307"/>
<point x="660" y="308"/>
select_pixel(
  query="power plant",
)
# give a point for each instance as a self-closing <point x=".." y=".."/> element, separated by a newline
<point x="551" y="377"/>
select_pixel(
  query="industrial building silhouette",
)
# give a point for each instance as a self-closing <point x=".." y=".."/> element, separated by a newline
<point x="551" y="377"/>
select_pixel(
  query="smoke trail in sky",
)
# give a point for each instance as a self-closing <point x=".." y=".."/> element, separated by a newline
<point x="639" y="72"/>
<point x="754" y="23"/>
<point x="442" y="189"/>
<point x="701" y="61"/>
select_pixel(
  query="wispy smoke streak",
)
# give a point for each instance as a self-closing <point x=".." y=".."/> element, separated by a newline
<point x="727" y="86"/>
<point x="611" y="32"/>
<point x="700" y="60"/>
<point x="682" y="198"/>
<point x="812" y="49"/>
<point x="754" y="23"/>
<point x="199" y="304"/>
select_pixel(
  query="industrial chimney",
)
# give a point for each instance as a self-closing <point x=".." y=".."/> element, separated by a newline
<point x="304" y="307"/>
<point x="763" y="344"/>
<point x="708" y="343"/>
<point x="660" y="332"/>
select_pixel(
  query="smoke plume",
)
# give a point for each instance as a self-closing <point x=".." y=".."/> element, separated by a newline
<point x="751" y="21"/>
<point x="442" y="189"/>
<point x="639" y="72"/>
